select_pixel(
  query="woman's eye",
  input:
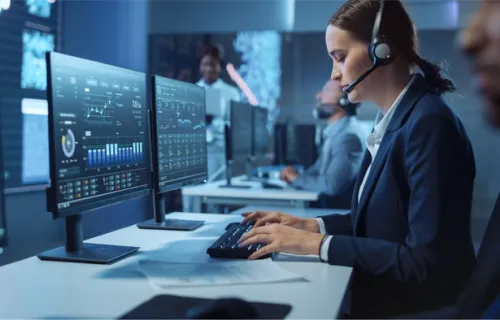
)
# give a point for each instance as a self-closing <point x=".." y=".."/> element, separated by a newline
<point x="340" y="59"/>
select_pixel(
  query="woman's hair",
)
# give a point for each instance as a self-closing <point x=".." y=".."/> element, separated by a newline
<point x="212" y="51"/>
<point x="358" y="16"/>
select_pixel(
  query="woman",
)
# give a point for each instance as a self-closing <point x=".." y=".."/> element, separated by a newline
<point x="408" y="234"/>
<point x="210" y="69"/>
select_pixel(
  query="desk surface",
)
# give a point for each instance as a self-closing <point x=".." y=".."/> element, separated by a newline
<point x="300" y="212"/>
<point x="40" y="289"/>
<point x="255" y="192"/>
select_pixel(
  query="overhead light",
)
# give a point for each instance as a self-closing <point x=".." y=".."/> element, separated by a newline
<point x="51" y="1"/>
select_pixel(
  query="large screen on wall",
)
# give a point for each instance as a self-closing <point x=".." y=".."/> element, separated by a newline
<point x="28" y="29"/>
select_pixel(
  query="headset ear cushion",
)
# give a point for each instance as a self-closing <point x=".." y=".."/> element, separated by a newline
<point x="381" y="52"/>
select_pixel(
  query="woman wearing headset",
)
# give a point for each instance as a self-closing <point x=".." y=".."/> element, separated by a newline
<point x="408" y="234"/>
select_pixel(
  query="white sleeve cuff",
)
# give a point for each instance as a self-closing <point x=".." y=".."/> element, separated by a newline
<point x="322" y="228"/>
<point x="325" y="247"/>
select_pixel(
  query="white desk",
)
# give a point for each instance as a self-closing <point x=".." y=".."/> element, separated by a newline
<point x="211" y="193"/>
<point x="40" y="289"/>
<point x="299" y="212"/>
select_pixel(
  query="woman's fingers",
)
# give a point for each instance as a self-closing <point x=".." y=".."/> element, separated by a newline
<point x="263" y="251"/>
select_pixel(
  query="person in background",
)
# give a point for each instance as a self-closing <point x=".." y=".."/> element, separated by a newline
<point x="336" y="169"/>
<point x="481" y="41"/>
<point x="408" y="235"/>
<point x="211" y="69"/>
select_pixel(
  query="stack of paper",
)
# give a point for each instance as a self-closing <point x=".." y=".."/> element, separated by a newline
<point x="167" y="274"/>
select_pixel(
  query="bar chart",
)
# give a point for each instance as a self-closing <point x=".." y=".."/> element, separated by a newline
<point x="114" y="154"/>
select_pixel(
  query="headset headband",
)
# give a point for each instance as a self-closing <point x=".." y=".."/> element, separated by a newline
<point x="378" y="20"/>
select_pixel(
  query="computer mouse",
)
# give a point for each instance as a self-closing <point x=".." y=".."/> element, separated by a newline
<point x="226" y="308"/>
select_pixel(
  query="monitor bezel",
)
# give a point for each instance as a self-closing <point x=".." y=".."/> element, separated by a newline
<point x="154" y="140"/>
<point x="51" y="191"/>
<point x="240" y="157"/>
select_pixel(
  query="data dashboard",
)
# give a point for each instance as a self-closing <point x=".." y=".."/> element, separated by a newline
<point x="99" y="130"/>
<point x="180" y="133"/>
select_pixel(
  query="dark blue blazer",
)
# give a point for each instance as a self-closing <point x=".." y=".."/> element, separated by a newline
<point x="484" y="285"/>
<point x="408" y="240"/>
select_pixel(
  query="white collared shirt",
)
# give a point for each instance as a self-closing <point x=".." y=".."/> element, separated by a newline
<point x="215" y="132"/>
<point x="228" y="93"/>
<point x="372" y="144"/>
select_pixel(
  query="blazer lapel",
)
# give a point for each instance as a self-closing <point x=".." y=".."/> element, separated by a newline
<point x="415" y="91"/>
<point x="377" y="165"/>
<point x="365" y="163"/>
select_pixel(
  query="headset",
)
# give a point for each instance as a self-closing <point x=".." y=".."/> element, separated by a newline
<point x="328" y="110"/>
<point x="380" y="49"/>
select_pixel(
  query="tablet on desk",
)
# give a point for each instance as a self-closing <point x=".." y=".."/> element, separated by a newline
<point x="179" y="307"/>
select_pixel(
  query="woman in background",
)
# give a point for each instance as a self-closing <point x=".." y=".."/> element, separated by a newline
<point x="210" y="69"/>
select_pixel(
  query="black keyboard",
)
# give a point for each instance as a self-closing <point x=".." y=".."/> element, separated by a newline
<point x="269" y="185"/>
<point x="227" y="245"/>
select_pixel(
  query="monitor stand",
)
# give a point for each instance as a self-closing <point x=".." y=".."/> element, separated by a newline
<point x="228" y="179"/>
<point x="75" y="250"/>
<point x="160" y="223"/>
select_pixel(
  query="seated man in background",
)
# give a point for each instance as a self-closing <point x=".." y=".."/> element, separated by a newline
<point x="334" y="172"/>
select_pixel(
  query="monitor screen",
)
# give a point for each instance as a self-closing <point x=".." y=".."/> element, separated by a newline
<point x="98" y="134"/>
<point x="180" y="134"/>
<point x="241" y="130"/>
<point x="260" y="133"/>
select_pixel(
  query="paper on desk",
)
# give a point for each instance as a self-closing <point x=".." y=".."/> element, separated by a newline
<point x="166" y="274"/>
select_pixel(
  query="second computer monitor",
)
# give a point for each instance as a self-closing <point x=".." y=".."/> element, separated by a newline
<point x="179" y="134"/>
<point x="241" y="131"/>
<point x="260" y="134"/>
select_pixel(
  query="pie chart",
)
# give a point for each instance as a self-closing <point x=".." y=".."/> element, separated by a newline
<point x="68" y="144"/>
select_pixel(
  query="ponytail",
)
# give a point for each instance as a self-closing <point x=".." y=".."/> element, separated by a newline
<point x="432" y="73"/>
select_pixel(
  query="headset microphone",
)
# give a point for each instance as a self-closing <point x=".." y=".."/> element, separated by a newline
<point x="381" y="51"/>
<point x="360" y="78"/>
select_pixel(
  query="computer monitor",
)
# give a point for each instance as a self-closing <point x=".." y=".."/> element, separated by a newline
<point x="99" y="147"/>
<point x="241" y="131"/>
<point x="260" y="143"/>
<point x="3" y="221"/>
<point x="179" y="139"/>
<point x="280" y="143"/>
<point x="238" y="138"/>
<point x="304" y="136"/>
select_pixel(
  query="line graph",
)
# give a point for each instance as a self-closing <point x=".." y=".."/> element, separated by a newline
<point x="201" y="125"/>
<point x="184" y="123"/>
<point x="99" y="110"/>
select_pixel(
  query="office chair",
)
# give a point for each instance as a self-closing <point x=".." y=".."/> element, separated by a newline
<point x="484" y="284"/>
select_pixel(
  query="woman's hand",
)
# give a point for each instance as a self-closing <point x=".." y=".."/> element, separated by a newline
<point x="280" y="238"/>
<point x="264" y="218"/>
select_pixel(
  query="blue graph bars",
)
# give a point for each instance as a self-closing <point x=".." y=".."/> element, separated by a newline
<point x="114" y="154"/>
